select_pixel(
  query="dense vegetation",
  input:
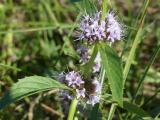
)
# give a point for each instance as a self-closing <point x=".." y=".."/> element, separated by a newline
<point x="38" y="38"/>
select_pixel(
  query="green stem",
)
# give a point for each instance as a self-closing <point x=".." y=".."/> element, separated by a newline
<point x="102" y="76"/>
<point x="72" y="109"/>
<point x="135" y="43"/>
<point x="131" y="54"/>
<point x="104" y="9"/>
<point x="88" y="66"/>
<point x="112" y="110"/>
<point x="62" y="26"/>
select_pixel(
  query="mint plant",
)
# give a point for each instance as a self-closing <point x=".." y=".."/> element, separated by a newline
<point x="100" y="75"/>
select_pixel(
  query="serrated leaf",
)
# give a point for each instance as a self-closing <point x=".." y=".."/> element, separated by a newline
<point x="113" y="68"/>
<point x="29" y="86"/>
<point x="136" y="110"/>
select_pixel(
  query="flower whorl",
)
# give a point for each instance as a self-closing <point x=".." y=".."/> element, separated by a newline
<point x="93" y="29"/>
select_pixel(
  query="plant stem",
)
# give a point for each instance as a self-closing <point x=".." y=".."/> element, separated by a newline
<point x="131" y="54"/>
<point x="88" y="67"/>
<point x="112" y="110"/>
<point x="102" y="76"/>
<point x="72" y="109"/>
<point x="104" y="9"/>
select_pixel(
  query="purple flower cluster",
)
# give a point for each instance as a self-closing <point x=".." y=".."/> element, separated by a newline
<point x="93" y="29"/>
<point x="94" y="96"/>
<point x="74" y="80"/>
<point x="64" y="95"/>
<point x="81" y="92"/>
<point x="113" y="28"/>
<point x="97" y="63"/>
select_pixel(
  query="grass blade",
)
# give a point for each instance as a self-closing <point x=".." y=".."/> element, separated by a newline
<point x="135" y="43"/>
<point x="146" y="70"/>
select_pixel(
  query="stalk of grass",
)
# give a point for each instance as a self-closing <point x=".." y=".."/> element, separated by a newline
<point x="72" y="109"/>
<point x="61" y="26"/>
<point x="112" y="110"/>
<point x="135" y="43"/>
<point x="102" y="76"/>
<point x="104" y="9"/>
<point x="146" y="71"/>
<point x="50" y="12"/>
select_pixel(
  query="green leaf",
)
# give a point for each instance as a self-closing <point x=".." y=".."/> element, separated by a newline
<point x="135" y="109"/>
<point x="95" y="113"/>
<point x="29" y="86"/>
<point x="113" y="68"/>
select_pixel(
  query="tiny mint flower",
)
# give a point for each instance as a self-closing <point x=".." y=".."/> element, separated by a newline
<point x="97" y="86"/>
<point x="96" y="67"/>
<point x="92" y="29"/>
<point x="114" y="29"/>
<point x="73" y="79"/>
<point x="97" y="63"/>
<point x="64" y="95"/>
<point x="80" y="92"/>
<point x="93" y="100"/>
<point x="78" y="81"/>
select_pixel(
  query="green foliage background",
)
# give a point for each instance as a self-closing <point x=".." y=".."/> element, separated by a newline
<point x="37" y="38"/>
